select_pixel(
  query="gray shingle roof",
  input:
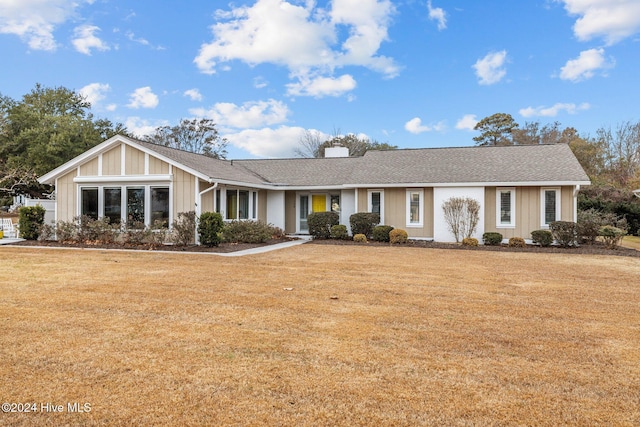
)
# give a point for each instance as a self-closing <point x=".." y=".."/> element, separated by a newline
<point x="511" y="164"/>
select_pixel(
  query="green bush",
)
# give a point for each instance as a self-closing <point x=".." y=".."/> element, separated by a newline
<point x="517" y="242"/>
<point x="492" y="238"/>
<point x="619" y="202"/>
<point x="320" y="224"/>
<point x="469" y="241"/>
<point x="381" y="233"/>
<point x="248" y="232"/>
<point x="209" y="228"/>
<point x="339" y="232"/>
<point x="360" y="238"/>
<point x="184" y="228"/>
<point x="363" y="223"/>
<point x="30" y="221"/>
<point x="564" y="232"/>
<point x="398" y="235"/>
<point x="612" y="236"/>
<point x="542" y="237"/>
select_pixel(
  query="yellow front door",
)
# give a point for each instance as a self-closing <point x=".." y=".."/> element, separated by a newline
<point x="318" y="203"/>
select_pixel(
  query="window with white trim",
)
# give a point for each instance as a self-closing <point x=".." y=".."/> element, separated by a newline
<point x="375" y="203"/>
<point x="241" y="204"/>
<point x="505" y="207"/>
<point x="550" y="206"/>
<point x="415" y="208"/>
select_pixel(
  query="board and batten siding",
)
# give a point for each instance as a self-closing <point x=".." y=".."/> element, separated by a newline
<point x="66" y="194"/>
<point x="134" y="161"/>
<point x="184" y="191"/>
<point x="112" y="161"/>
<point x="89" y="168"/>
<point x="528" y="210"/>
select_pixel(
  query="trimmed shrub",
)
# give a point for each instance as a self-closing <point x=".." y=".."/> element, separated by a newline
<point x="30" y="221"/>
<point x="381" y="233"/>
<point x="612" y="236"/>
<point x="248" y="232"/>
<point x="517" y="242"/>
<point x="339" y="232"/>
<point x="588" y="225"/>
<point x="363" y="223"/>
<point x="66" y="231"/>
<point x="564" y="232"/>
<point x="360" y="238"/>
<point x="398" y="235"/>
<point x="184" y="228"/>
<point x="542" y="237"/>
<point x="209" y="228"/>
<point x="492" y="238"/>
<point x="469" y="241"/>
<point x="320" y="224"/>
<point x="157" y="234"/>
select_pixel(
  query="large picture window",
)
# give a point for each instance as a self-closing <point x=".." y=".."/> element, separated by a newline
<point x="506" y="208"/>
<point x="241" y="204"/>
<point x="89" y="201"/>
<point x="135" y="206"/>
<point x="113" y="205"/>
<point x="160" y="205"/>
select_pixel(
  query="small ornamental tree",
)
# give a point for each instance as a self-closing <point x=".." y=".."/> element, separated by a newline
<point x="31" y="220"/>
<point x="462" y="215"/>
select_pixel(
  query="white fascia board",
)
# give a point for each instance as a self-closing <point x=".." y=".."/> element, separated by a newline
<point x="245" y="184"/>
<point x="311" y="188"/>
<point x="470" y="184"/>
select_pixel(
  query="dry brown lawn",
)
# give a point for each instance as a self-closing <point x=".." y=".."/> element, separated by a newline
<point x="368" y="336"/>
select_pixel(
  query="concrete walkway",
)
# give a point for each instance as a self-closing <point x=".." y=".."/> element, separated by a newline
<point x="252" y="251"/>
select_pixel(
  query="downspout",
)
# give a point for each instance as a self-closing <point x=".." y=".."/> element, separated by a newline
<point x="575" y="203"/>
<point x="199" y="206"/>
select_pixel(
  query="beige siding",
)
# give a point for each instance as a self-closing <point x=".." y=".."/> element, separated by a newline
<point x="207" y="198"/>
<point x="66" y="194"/>
<point x="159" y="167"/>
<point x="90" y="168"/>
<point x="111" y="162"/>
<point x="363" y="203"/>
<point x="566" y="196"/>
<point x="134" y="161"/>
<point x="184" y="188"/>
<point x="290" y="204"/>
<point x="262" y="205"/>
<point x="528" y="210"/>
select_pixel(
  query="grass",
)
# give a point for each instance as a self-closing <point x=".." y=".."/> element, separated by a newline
<point x="631" y="242"/>
<point x="368" y="336"/>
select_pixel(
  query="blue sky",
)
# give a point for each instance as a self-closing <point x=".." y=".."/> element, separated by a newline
<point x="410" y="73"/>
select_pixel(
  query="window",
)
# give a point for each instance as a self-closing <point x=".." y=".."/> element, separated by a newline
<point x="415" y="207"/>
<point x="506" y="208"/>
<point x="89" y="197"/>
<point x="376" y="203"/>
<point x="113" y="205"/>
<point x="160" y="205"/>
<point x="335" y="203"/>
<point x="550" y="204"/>
<point x="135" y="206"/>
<point x="241" y="204"/>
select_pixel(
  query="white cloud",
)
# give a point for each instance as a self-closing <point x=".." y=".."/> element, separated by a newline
<point x="94" y="92"/>
<point x="267" y="142"/>
<point x="584" y="66"/>
<point x="193" y="94"/>
<point x="467" y="122"/>
<point x="302" y="37"/>
<point x="415" y="126"/>
<point x="553" y="110"/>
<point x="141" y="127"/>
<point x="143" y="98"/>
<point x="260" y="82"/>
<point x="35" y="20"/>
<point x="248" y="115"/>
<point x="614" y="20"/>
<point x="437" y="14"/>
<point x="490" y="69"/>
<point x="322" y="86"/>
<point x="85" y="39"/>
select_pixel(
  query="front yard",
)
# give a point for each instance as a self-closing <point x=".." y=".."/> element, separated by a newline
<point x="320" y="335"/>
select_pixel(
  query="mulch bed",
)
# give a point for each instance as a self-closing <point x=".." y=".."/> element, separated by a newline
<point x="596" y="249"/>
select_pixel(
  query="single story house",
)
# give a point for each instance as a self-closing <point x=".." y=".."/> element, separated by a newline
<point x="519" y="188"/>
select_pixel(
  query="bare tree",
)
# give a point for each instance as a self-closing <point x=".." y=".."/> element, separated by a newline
<point x="310" y="143"/>
<point x="623" y="151"/>
<point x="462" y="215"/>
<point x="196" y="135"/>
